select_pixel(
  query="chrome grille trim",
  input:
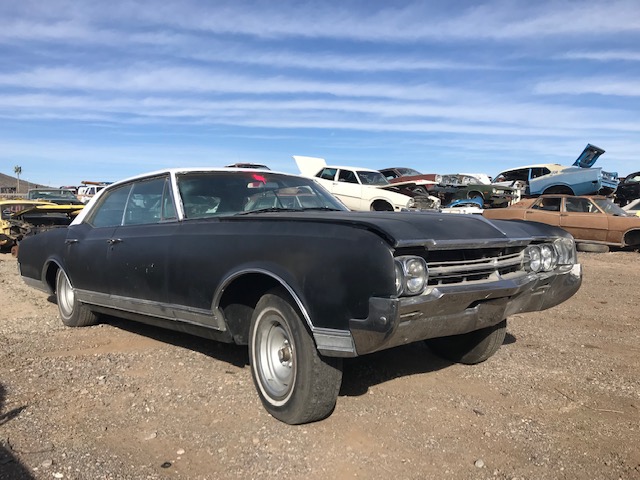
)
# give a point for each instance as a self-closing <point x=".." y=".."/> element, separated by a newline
<point x="475" y="270"/>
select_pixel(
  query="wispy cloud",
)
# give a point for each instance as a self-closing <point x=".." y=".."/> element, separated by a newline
<point x="619" y="87"/>
<point x="366" y="82"/>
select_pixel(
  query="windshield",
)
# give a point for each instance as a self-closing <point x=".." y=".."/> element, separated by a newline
<point x="611" y="208"/>
<point x="55" y="193"/>
<point x="408" y="172"/>
<point x="208" y="194"/>
<point x="372" y="178"/>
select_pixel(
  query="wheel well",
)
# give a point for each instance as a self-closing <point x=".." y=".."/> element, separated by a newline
<point x="381" y="206"/>
<point x="632" y="238"/>
<point x="475" y="193"/>
<point x="240" y="298"/>
<point x="50" y="276"/>
<point x="558" y="189"/>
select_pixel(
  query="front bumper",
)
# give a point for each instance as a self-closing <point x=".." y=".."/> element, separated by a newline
<point x="450" y="310"/>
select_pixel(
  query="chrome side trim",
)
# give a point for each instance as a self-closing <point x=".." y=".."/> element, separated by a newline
<point x="179" y="313"/>
<point x="220" y="291"/>
<point x="337" y="343"/>
<point x="37" y="284"/>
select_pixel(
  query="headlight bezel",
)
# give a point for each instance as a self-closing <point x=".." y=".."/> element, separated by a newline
<point x="412" y="275"/>
<point x="547" y="256"/>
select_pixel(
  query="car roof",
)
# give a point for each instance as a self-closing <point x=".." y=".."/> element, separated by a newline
<point x="554" y="167"/>
<point x="358" y="169"/>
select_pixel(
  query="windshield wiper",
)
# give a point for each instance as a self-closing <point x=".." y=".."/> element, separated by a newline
<point x="270" y="209"/>
<point x="326" y="209"/>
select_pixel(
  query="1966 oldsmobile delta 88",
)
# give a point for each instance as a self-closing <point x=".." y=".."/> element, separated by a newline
<point x="273" y="261"/>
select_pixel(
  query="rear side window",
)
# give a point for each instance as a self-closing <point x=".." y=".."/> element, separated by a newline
<point x="327" y="173"/>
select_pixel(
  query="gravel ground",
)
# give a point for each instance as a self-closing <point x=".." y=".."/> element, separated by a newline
<point x="560" y="400"/>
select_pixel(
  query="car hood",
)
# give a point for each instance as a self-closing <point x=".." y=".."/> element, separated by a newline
<point x="49" y="208"/>
<point x="429" y="229"/>
<point x="588" y="156"/>
<point x="309" y="166"/>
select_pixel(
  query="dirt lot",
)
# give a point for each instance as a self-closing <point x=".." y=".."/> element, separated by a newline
<point x="560" y="400"/>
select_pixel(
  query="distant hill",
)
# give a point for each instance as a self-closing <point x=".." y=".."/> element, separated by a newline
<point x="8" y="184"/>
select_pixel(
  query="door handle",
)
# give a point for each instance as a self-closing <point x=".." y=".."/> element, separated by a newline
<point x="69" y="241"/>
<point x="113" y="241"/>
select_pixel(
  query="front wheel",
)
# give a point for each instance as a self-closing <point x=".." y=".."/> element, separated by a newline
<point x="72" y="312"/>
<point x="295" y="383"/>
<point x="472" y="347"/>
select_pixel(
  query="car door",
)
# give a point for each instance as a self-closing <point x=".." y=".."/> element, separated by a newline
<point x="545" y="210"/>
<point x="88" y="244"/>
<point x="347" y="187"/>
<point x="140" y="248"/>
<point x="584" y="220"/>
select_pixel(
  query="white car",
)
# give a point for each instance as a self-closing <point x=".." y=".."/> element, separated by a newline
<point x="360" y="189"/>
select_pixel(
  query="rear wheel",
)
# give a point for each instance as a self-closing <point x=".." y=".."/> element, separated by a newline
<point x="470" y="348"/>
<point x="295" y="383"/>
<point x="72" y="312"/>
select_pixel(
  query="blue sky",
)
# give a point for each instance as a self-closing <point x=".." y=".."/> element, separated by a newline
<point x="102" y="90"/>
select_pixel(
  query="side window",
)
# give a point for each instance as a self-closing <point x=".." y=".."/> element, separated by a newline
<point x="327" y="173"/>
<point x="145" y="202"/>
<point x="538" y="172"/>
<point x="551" y="204"/>
<point x="347" y="176"/>
<point x="580" y="205"/>
<point x="110" y="211"/>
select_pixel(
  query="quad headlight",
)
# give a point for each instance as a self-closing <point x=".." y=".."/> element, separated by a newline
<point x="545" y="257"/>
<point x="412" y="274"/>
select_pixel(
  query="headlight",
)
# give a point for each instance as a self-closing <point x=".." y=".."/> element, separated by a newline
<point x="411" y="203"/>
<point x="566" y="249"/>
<point x="545" y="257"/>
<point x="549" y="258"/>
<point x="411" y="275"/>
<point x="533" y="258"/>
<point x="437" y="179"/>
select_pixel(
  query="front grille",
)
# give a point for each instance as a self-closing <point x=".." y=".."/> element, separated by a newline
<point x="450" y="267"/>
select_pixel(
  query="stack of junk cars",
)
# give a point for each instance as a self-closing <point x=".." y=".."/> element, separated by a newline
<point x="587" y="200"/>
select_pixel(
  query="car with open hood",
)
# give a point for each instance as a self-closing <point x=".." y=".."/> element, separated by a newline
<point x="363" y="189"/>
<point x="450" y="188"/>
<point x="579" y="179"/>
<point x="20" y="218"/>
<point x="593" y="220"/>
<point x="275" y="262"/>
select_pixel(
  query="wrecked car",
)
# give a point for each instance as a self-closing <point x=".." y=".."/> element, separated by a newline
<point x="61" y="196"/>
<point x="230" y="255"/>
<point x="20" y="218"/>
<point x="628" y="189"/>
<point x="595" y="222"/>
<point x="579" y="179"/>
<point x="363" y="189"/>
<point x="452" y="187"/>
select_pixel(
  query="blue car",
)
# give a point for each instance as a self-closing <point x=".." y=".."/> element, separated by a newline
<point x="578" y="179"/>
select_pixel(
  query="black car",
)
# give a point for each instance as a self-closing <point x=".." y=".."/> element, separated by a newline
<point x="628" y="189"/>
<point x="274" y="262"/>
<point x="60" y="196"/>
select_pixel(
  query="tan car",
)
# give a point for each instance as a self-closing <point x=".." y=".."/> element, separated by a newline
<point x="594" y="221"/>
